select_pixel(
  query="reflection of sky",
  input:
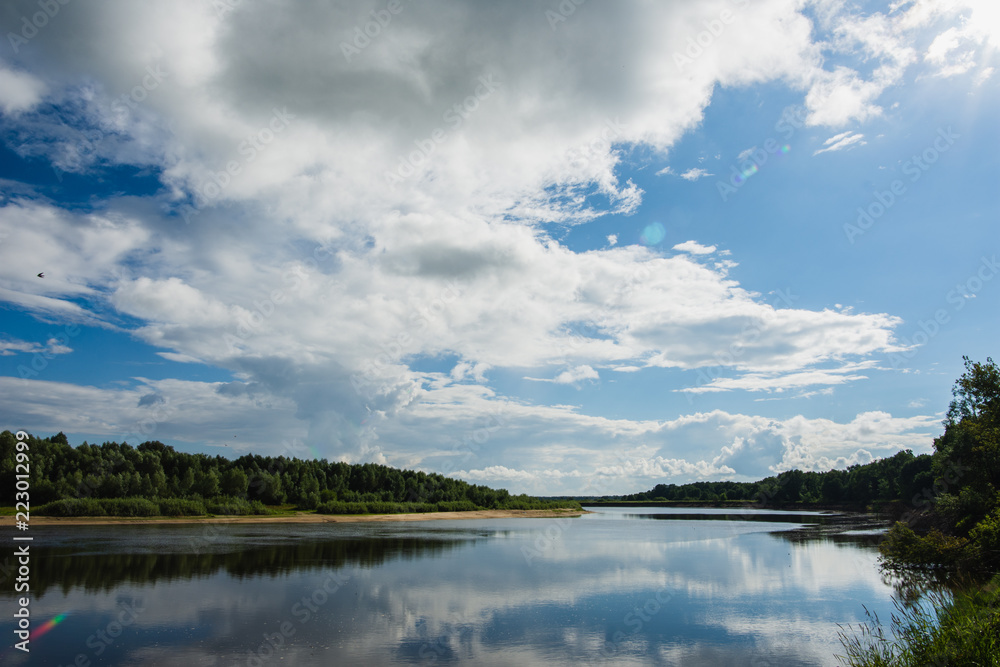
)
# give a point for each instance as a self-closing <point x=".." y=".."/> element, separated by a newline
<point x="678" y="592"/>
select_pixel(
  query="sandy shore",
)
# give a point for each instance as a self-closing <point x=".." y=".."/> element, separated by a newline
<point x="296" y="517"/>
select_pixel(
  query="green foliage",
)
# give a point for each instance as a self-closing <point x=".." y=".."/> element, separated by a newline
<point x="180" y="484"/>
<point x="904" y="547"/>
<point x="235" y="506"/>
<point x="180" y="507"/>
<point x="962" y="630"/>
<point x="130" y="507"/>
<point x="964" y="530"/>
<point x="377" y="507"/>
<point x="986" y="537"/>
<point x="901" y="477"/>
<point x="81" y="507"/>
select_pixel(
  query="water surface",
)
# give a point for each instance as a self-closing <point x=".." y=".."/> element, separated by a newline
<point x="651" y="586"/>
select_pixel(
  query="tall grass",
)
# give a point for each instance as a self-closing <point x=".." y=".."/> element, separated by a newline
<point x="962" y="629"/>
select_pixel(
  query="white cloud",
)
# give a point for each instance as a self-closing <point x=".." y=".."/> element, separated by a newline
<point x="52" y="346"/>
<point x="470" y="432"/>
<point x="780" y="383"/>
<point x="316" y="283"/>
<point x="571" y="376"/>
<point x="19" y="91"/>
<point x="841" y="141"/>
<point x="694" y="173"/>
<point x="695" y="248"/>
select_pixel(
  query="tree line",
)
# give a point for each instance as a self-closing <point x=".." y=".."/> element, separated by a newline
<point x="153" y="478"/>
<point x="901" y="477"/>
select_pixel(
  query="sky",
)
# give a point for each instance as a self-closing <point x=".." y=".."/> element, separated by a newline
<point x="556" y="247"/>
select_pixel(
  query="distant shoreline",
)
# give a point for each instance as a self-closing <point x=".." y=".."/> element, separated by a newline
<point x="736" y="504"/>
<point x="298" y="517"/>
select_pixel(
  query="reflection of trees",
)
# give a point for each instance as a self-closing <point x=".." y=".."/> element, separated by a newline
<point x="66" y="569"/>
<point x="912" y="585"/>
<point x="771" y="517"/>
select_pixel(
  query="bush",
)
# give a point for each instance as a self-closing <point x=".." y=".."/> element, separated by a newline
<point x="130" y="507"/>
<point x="382" y="507"/>
<point x="986" y="538"/>
<point x="180" y="507"/>
<point x="903" y="547"/>
<point x="100" y="507"/>
<point x="72" y="507"/>
<point x="456" y="506"/>
<point x="235" y="506"/>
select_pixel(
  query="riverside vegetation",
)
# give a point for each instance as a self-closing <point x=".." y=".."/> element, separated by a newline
<point x="957" y="529"/>
<point x="154" y="479"/>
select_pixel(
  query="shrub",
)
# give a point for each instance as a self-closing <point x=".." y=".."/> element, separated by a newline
<point x="456" y="506"/>
<point x="903" y="547"/>
<point x="986" y="538"/>
<point x="235" y="506"/>
<point x="72" y="507"/>
<point x="129" y="507"/>
<point x="181" y="507"/>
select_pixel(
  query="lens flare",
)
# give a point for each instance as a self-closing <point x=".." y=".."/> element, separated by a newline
<point x="48" y="625"/>
<point x="653" y="234"/>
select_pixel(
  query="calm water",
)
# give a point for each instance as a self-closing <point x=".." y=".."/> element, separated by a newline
<point x="621" y="586"/>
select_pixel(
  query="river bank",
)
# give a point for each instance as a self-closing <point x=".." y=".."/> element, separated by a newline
<point x="293" y="517"/>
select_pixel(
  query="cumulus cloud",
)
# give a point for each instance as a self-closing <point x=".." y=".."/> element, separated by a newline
<point x="324" y="222"/>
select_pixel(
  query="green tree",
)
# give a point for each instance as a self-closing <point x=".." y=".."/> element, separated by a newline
<point x="234" y="483"/>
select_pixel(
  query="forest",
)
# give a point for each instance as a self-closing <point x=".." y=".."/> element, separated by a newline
<point x="154" y="479"/>
<point x="901" y="477"/>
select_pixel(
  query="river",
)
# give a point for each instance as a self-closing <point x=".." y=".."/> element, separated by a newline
<point x="623" y="586"/>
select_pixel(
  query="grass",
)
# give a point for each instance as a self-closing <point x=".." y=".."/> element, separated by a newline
<point x="962" y="629"/>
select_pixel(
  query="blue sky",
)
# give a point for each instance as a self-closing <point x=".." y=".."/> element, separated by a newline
<point x="642" y="244"/>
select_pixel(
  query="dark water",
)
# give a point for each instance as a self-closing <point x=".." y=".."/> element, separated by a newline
<point x="622" y="586"/>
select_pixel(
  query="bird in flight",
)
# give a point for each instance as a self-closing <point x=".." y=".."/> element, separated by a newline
<point x="41" y="275"/>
